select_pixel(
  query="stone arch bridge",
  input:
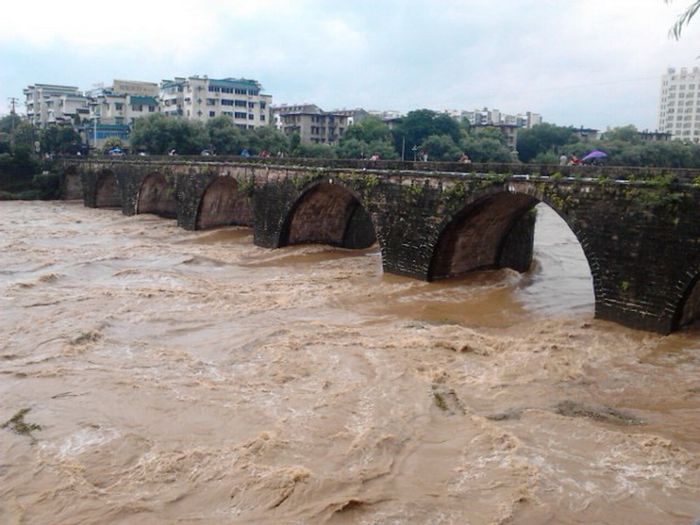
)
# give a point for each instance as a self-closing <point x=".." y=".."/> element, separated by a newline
<point x="639" y="228"/>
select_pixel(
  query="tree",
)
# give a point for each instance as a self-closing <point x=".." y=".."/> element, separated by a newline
<point x="323" y="151"/>
<point x="486" y="148"/>
<point x="624" y="133"/>
<point x="369" y="129"/>
<point x="60" y="139"/>
<point x="542" y="138"/>
<point x="418" y="125"/>
<point x="683" y="19"/>
<point x="113" y="142"/>
<point x="9" y="122"/>
<point x="159" y="134"/>
<point x="440" y="147"/>
<point x="368" y="137"/>
<point x="25" y="135"/>
<point x="267" y="138"/>
<point x="225" y="138"/>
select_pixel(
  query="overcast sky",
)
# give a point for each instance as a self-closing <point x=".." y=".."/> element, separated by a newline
<point x="594" y="63"/>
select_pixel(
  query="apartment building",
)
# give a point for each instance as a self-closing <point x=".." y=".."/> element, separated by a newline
<point x="124" y="101"/>
<point x="313" y="125"/>
<point x="48" y="104"/>
<point x="679" y="104"/>
<point x="494" y="117"/>
<point x="113" y="110"/>
<point x="203" y="98"/>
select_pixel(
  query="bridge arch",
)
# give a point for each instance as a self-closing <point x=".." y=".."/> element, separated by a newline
<point x="107" y="191"/>
<point x="223" y="204"/>
<point x="328" y="212"/>
<point x="494" y="229"/>
<point x="688" y="303"/>
<point x="157" y="195"/>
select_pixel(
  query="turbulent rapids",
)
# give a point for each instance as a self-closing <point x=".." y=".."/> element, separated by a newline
<point x="154" y="375"/>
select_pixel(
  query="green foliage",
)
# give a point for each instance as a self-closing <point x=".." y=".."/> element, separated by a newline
<point x="267" y="138"/>
<point x="60" y="140"/>
<point x="542" y="138"/>
<point x="484" y="147"/>
<point x="418" y="125"/>
<point x="113" y="142"/>
<point x="159" y="134"/>
<point x="369" y="137"/>
<point x="369" y="129"/>
<point x="440" y="147"/>
<point x="321" y="151"/>
<point x="6" y="123"/>
<point x="225" y="138"/>
<point x="624" y="133"/>
<point x="25" y="135"/>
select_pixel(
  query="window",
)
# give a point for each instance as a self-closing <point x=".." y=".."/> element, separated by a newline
<point x="227" y="113"/>
<point x="212" y="113"/>
<point x="136" y="107"/>
<point x="226" y="102"/>
<point x="251" y="104"/>
<point x="262" y="105"/>
<point x="240" y="103"/>
<point x="241" y="91"/>
<point x="211" y="102"/>
<point x="151" y="109"/>
<point x="240" y="115"/>
<point x="118" y="106"/>
<point x="262" y="118"/>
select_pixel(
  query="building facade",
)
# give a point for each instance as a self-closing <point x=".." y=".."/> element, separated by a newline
<point x="203" y="98"/>
<point x="313" y="125"/>
<point x="113" y="110"/>
<point x="494" y="117"/>
<point x="48" y="104"/>
<point x="679" y="104"/>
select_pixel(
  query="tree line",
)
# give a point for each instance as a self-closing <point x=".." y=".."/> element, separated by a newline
<point x="437" y="135"/>
<point x="427" y="132"/>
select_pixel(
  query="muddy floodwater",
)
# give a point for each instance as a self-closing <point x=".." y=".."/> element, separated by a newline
<point x="192" y="377"/>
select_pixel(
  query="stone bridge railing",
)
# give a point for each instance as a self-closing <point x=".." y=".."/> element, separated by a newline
<point x="638" y="227"/>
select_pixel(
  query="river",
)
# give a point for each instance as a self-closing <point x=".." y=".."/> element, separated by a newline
<point x="192" y="377"/>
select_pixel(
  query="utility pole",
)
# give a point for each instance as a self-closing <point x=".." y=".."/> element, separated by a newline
<point x="12" y="101"/>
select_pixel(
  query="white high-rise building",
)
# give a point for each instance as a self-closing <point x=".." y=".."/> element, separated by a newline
<point x="679" y="104"/>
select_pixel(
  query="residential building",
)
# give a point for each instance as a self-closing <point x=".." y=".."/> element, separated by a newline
<point x="285" y="109"/>
<point x="55" y="104"/>
<point x="486" y="116"/>
<point x="654" y="136"/>
<point x="114" y="109"/>
<point x="355" y="115"/>
<point x="311" y="123"/>
<point x="203" y="98"/>
<point x="679" y="104"/>
<point x="586" y="134"/>
<point x="386" y="115"/>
